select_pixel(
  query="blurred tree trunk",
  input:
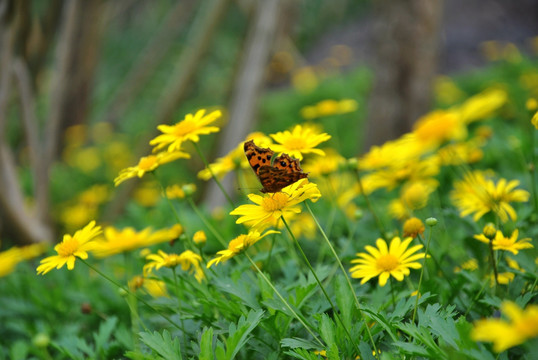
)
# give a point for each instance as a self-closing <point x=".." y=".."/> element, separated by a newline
<point x="248" y="84"/>
<point x="406" y="37"/>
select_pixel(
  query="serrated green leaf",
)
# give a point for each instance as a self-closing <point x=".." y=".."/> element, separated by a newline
<point x="326" y="329"/>
<point x="239" y="334"/>
<point x="206" y="345"/>
<point x="162" y="344"/>
<point x="295" y="343"/>
<point x="103" y="335"/>
<point x="344" y="300"/>
<point x="411" y="349"/>
<point x="241" y="289"/>
<point x="366" y="351"/>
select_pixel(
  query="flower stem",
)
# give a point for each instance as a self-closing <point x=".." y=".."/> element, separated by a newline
<point x="202" y="217"/>
<point x="343" y="271"/>
<point x="493" y="262"/>
<point x="297" y="316"/>
<point x="131" y="293"/>
<point x="319" y="283"/>
<point x="421" y="275"/>
<point x="206" y="163"/>
<point x="369" y="204"/>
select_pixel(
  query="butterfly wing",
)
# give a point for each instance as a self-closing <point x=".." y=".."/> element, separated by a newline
<point x="287" y="163"/>
<point x="257" y="156"/>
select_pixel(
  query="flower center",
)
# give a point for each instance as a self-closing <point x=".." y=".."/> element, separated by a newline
<point x="147" y="162"/>
<point x="296" y="144"/>
<point x="387" y="262"/>
<point x="503" y="242"/>
<point x="184" y="127"/>
<point x="238" y="244"/>
<point x="68" y="247"/>
<point x="275" y="202"/>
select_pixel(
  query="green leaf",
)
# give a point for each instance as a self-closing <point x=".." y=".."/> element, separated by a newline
<point x="366" y="351"/>
<point x="103" y="335"/>
<point x="241" y="289"/>
<point x="344" y="300"/>
<point x="239" y="334"/>
<point x="19" y="350"/>
<point x="295" y="343"/>
<point x="163" y="344"/>
<point x="410" y="348"/>
<point x="326" y="329"/>
<point x="206" y="345"/>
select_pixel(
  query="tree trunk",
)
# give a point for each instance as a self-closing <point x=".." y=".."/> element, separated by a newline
<point x="405" y="59"/>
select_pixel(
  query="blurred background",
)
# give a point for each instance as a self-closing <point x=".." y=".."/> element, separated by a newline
<point x="83" y="84"/>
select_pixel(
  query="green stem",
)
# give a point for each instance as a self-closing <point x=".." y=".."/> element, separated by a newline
<point x="295" y="314"/>
<point x="348" y="280"/>
<point x="421" y="275"/>
<point x="392" y="292"/>
<point x="319" y="283"/>
<point x="475" y="298"/>
<point x="369" y="204"/>
<point x="176" y="285"/>
<point x="206" y="163"/>
<point x="131" y="293"/>
<point x="493" y="263"/>
<point x="215" y="233"/>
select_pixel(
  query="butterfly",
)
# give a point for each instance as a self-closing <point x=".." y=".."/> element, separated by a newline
<point x="274" y="174"/>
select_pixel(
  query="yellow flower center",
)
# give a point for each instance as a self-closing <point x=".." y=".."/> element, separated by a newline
<point x="68" y="247"/>
<point x="172" y="260"/>
<point x="387" y="262"/>
<point x="184" y="127"/>
<point x="238" y="244"/>
<point x="295" y="143"/>
<point x="503" y="242"/>
<point x="276" y="202"/>
<point x="147" y="162"/>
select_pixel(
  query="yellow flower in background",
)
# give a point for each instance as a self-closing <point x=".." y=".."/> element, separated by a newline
<point x="70" y="248"/>
<point x="512" y="244"/>
<point x="534" y="120"/>
<point x="147" y="164"/>
<point x="446" y="91"/>
<point x="461" y="153"/>
<point x="116" y="241"/>
<point x="385" y="261"/>
<point x="413" y="227"/>
<point x="415" y="194"/>
<point x="155" y="288"/>
<point x="188" y="260"/>
<point x="396" y="153"/>
<point x="304" y="80"/>
<point x="503" y="278"/>
<point x="238" y="245"/>
<point x="301" y="140"/>
<point x="482" y="105"/>
<point x="199" y="238"/>
<point x="147" y="194"/>
<point x="272" y="206"/>
<point x="329" y="107"/>
<point x="438" y="127"/>
<point x="75" y="216"/>
<point x="531" y="104"/>
<point x="470" y="265"/>
<point x="9" y="260"/>
<point x="303" y="225"/>
<point x="477" y="194"/>
<point x="188" y="129"/>
<point x="398" y="210"/>
<point x="328" y="164"/>
<point x="518" y="326"/>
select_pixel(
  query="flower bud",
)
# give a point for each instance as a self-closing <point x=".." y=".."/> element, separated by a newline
<point x="431" y="221"/>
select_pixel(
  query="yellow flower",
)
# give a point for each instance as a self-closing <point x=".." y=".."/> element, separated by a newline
<point x="238" y="245"/>
<point x="415" y="194"/>
<point x="272" y="206"/>
<point x="461" y="153"/>
<point x="398" y="210"/>
<point x="503" y="278"/>
<point x="301" y="140"/>
<point x="519" y="326"/>
<point x="480" y="195"/>
<point x="148" y="164"/>
<point x="446" y="91"/>
<point x="8" y="260"/>
<point x="188" y="129"/>
<point x="439" y="126"/>
<point x="413" y="227"/>
<point x="471" y="265"/>
<point x="482" y="105"/>
<point x="325" y="165"/>
<point x="329" y="107"/>
<point x="199" y="238"/>
<point x="116" y="241"/>
<point x="177" y="192"/>
<point x="534" y="120"/>
<point x="512" y="244"/>
<point x="304" y="79"/>
<point x="147" y="194"/>
<point x="188" y="260"/>
<point x="384" y="261"/>
<point x="70" y="248"/>
<point x="531" y="104"/>
<point x="155" y="288"/>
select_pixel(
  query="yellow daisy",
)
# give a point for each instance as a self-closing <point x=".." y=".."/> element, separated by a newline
<point x="384" y="261"/>
<point x="70" y="248"/>
<point x="188" y="129"/>
<point x="188" y="260"/>
<point x="478" y="195"/>
<point x="512" y="244"/>
<point x="238" y="245"/>
<point x="519" y="326"/>
<point x="272" y="206"/>
<point x="301" y="140"/>
<point x="148" y="164"/>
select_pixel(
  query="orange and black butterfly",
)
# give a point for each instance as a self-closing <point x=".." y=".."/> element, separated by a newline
<point x="274" y="174"/>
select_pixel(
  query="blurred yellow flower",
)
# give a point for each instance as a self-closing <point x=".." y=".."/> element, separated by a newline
<point x="199" y="238"/>
<point x="439" y="126"/>
<point x="467" y="152"/>
<point x="520" y="325"/>
<point x="304" y="80"/>
<point x="188" y="129"/>
<point x="385" y="261"/>
<point x="415" y="194"/>
<point x="301" y="140"/>
<point x="446" y="91"/>
<point x="512" y="244"/>
<point x="147" y="194"/>
<point x="272" y="206"/>
<point x="482" y="105"/>
<point x="75" y="216"/>
<point x="70" y="248"/>
<point x="470" y="265"/>
<point x="413" y="227"/>
<point x="238" y="245"/>
<point x="116" y="241"/>
<point x="15" y="255"/>
<point x="148" y="164"/>
<point x="320" y="166"/>
<point x="477" y="194"/>
<point x="329" y="107"/>
<point x="531" y="104"/>
<point x="534" y="120"/>
<point x="188" y="260"/>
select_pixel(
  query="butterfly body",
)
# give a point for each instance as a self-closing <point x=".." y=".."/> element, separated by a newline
<point x="274" y="174"/>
